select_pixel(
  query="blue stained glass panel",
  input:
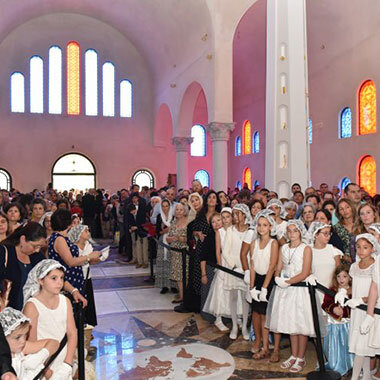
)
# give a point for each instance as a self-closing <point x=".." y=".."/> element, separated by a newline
<point x="346" y="123"/>
<point x="310" y="131"/>
<point x="198" y="146"/>
<point x="238" y="146"/>
<point x="256" y="142"/>
<point x="203" y="177"/>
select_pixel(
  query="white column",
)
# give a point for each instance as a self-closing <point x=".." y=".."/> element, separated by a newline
<point x="287" y="148"/>
<point x="182" y="146"/>
<point x="220" y="134"/>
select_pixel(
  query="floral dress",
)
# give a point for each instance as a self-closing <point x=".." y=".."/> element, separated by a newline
<point x="347" y="240"/>
<point x="176" y="263"/>
<point x="74" y="275"/>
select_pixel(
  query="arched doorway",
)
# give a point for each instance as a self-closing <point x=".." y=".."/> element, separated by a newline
<point x="73" y="171"/>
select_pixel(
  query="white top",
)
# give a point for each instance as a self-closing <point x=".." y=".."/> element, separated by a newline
<point x="249" y="236"/>
<point x="292" y="259"/>
<point x="22" y="372"/>
<point x="281" y="229"/>
<point x="323" y="264"/>
<point x="88" y="248"/>
<point x="376" y="273"/>
<point x="261" y="257"/>
<point x="237" y="241"/>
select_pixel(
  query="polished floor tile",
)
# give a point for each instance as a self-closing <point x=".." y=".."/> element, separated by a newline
<point x="109" y="302"/>
<point x="125" y="270"/>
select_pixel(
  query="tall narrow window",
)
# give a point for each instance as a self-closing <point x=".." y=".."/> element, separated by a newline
<point x="198" y="146"/>
<point x="55" y="80"/>
<point x="343" y="183"/>
<point x="238" y="185"/>
<point x="36" y="84"/>
<point x="203" y="177"/>
<point x="310" y="130"/>
<point x="125" y="98"/>
<point x="367" y="108"/>
<point x="367" y="175"/>
<point x="143" y="178"/>
<point x="238" y="146"/>
<point x="256" y="142"/>
<point x="73" y="78"/>
<point x="17" y="92"/>
<point x="108" y="89"/>
<point x="345" y="123"/>
<point x="247" y="137"/>
<point x="91" y="75"/>
<point x="256" y="184"/>
<point x="247" y="178"/>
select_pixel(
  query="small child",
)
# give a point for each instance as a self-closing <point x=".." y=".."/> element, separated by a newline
<point x="335" y="344"/>
<point x="28" y="357"/>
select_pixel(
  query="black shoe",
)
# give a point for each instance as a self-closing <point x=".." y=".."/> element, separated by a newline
<point x="164" y="290"/>
<point x="181" y="309"/>
<point x="174" y="290"/>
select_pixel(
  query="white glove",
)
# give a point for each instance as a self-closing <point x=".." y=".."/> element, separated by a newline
<point x="33" y="360"/>
<point x="311" y="280"/>
<point x="263" y="295"/>
<point x="247" y="277"/>
<point x="354" y="303"/>
<point x="64" y="372"/>
<point x="281" y="282"/>
<point x="340" y="296"/>
<point x="367" y="324"/>
<point x="248" y="296"/>
<point x="255" y="294"/>
<point x="239" y="270"/>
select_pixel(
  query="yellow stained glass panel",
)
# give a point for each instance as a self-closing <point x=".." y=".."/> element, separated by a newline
<point x="247" y="143"/>
<point x="367" y="175"/>
<point x="73" y="78"/>
<point x="367" y="108"/>
<point x="247" y="178"/>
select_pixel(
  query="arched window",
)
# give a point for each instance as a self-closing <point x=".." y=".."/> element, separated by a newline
<point x="91" y="75"/>
<point x="238" y="146"/>
<point x="367" y="175"/>
<point x="36" y="84"/>
<point x="55" y="80"/>
<point x="345" y="123"/>
<point x="5" y="180"/>
<point x="73" y="171"/>
<point x="367" y="108"/>
<point x="17" y="92"/>
<point x="198" y="146"/>
<point x="343" y="183"/>
<point x="247" y="138"/>
<point x="73" y="78"/>
<point x="247" y="178"/>
<point x="238" y="185"/>
<point x="203" y="177"/>
<point x="256" y="142"/>
<point x="143" y="178"/>
<point x="108" y="89"/>
<point x="310" y="130"/>
<point x="257" y="183"/>
<point x="125" y="98"/>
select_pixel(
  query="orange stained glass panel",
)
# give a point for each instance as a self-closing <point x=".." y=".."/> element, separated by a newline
<point x="73" y="78"/>
<point x="247" y="143"/>
<point x="247" y="178"/>
<point x="367" y="108"/>
<point x="367" y="175"/>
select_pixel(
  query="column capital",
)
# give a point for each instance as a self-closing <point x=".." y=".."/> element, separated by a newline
<point x="182" y="144"/>
<point x="220" y="131"/>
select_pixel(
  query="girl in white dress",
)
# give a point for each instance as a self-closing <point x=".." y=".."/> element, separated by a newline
<point x="289" y="309"/>
<point x="236" y="287"/>
<point x="51" y="314"/>
<point x="262" y="266"/>
<point x="279" y="216"/>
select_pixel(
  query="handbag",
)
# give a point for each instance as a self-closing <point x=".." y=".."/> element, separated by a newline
<point x="5" y="284"/>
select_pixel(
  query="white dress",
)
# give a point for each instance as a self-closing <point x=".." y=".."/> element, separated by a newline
<point x="361" y="282"/>
<point x="281" y="230"/>
<point x="374" y="333"/>
<point x="289" y="309"/>
<point x="21" y="372"/>
<point x="52" y="324"/>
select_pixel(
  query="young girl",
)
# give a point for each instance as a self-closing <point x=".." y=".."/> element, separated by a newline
<point x="335" y="344"/>
<point x="294" y="265"/>
<point x="361" y="272"/>
<point x="279" y="215"/>
<point x="262" y="266"/>
<point x="27" y="357"/>
<point x="51" y="313"/>
<point x="231" y="251"/>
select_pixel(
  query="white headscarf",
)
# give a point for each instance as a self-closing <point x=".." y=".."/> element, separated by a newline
<point x="10" y="319"/>
<point x="49" y="213"/>
<point x="375" y="227"/>
<point x="245" y="210"/>
<point x="372" y="240"/>
<point x="75" y="232"/>
<point x="300" y="227"/>
<point x="314" y="228"/>
<point x="268" y="215"/>
<point x="277" y="203"/>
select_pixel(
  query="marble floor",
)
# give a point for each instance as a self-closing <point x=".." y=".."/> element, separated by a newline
<point x="139" y="336"/>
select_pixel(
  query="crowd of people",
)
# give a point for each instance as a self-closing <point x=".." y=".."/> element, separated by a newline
<point x="315" y="235"/>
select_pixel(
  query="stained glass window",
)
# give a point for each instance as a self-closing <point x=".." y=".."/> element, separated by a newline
<point x="256" y="142"/>
<point x="108" y="89"/>
<point x="247" y="143"/>
<point x="238" y="146"/>
<point x="5" y="180"/>
<point x="247" y="177"/>
<point x="198" y="146"/>
<point x="36" y="84"/>
<point x="143" y="178"/>
<point x="367" y="175"/>
<point x="345" y="123"/>
<point x="367" y="108"/>
<point x="91" y="75"/>
<point x="343" y="183"/>
<point x="310" y="130"/>
<point x="55" y="80"/>
<point x="238" y="185"/>
<point x="125" y="98"/>
<point x="203" y="177"/>
<point x="17" y="92"/>
<point x="73" y="78"/>
<point x="257" y="183"/>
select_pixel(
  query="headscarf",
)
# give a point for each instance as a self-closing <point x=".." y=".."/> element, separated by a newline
<point x="290" y="204"/>
<point x="10" y="319"/>
<point x="268" y="215"/>
<point x="314" y="228"/>
<point x="300" y="227"/>
<point x="226" y="209"/>
<point x="372" y="240"/>
<point x="75" y="232"/>
<point x="41" y="270"/>
<point x="375" y="227"/>
<point x="49" y="213"/>
<point x="245" y="210"/>
<point x="156" y="197"/>
<point x="277" y="203"/>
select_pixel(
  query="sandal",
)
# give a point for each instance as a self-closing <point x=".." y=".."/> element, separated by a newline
<point x="289" y="362"/>
<point x="255" y="350"/>
<point x="298" y="366"/>
<point x="275" y="357"/>
<point x="263" y="354"/>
